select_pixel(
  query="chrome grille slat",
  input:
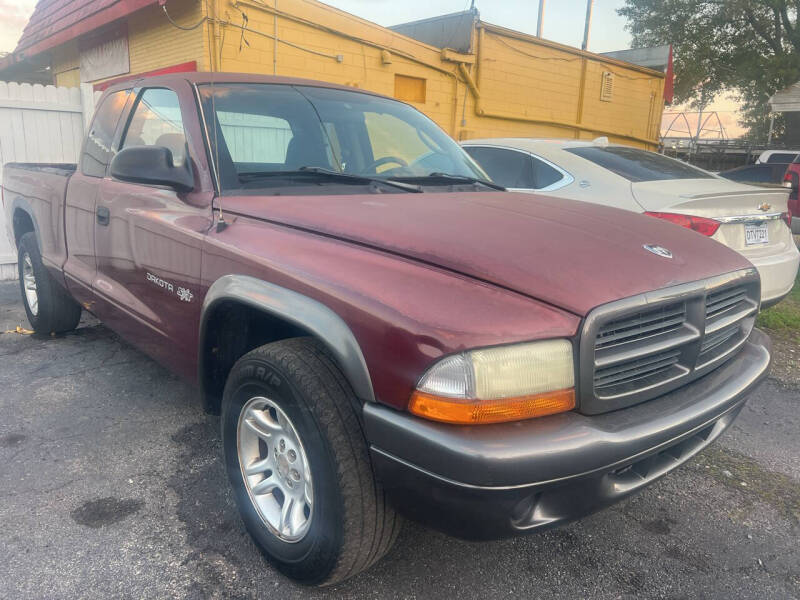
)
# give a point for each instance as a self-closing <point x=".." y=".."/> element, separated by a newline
<point x="721" y="302"/>
<point x="720" y="337"/>
<point x="607" y="357"/>
<point x="643" y="324"/>
<point x="720" y="322"/>
<point x="635" y="370"/>
<point x="639" y="348"/>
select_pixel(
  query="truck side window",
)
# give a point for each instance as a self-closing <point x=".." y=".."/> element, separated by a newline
<point x="97" y="149"/>
<point x="157" y="121"/>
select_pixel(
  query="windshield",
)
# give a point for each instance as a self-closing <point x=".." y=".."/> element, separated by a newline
<point x="268" y="135"/>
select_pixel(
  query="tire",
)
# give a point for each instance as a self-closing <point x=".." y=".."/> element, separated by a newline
<point x="349" y="525"/>
<point x="49" y="308"/>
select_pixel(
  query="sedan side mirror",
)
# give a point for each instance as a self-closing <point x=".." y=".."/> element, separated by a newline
<point x="152" y="165"/>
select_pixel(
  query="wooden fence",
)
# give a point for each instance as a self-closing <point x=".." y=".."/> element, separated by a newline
<point x="39" y="124"/>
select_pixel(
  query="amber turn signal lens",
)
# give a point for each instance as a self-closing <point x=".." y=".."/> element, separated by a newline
<point x="480" y="412"/>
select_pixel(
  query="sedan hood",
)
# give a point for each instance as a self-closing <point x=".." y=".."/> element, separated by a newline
<point x="572" y="255"/>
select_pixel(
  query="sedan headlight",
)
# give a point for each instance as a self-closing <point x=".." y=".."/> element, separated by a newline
<point x="493" y="385"/>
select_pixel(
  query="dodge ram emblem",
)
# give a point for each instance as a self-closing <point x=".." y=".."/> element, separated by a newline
<point x="658" y="250"/>
<point x="764" y="207"/>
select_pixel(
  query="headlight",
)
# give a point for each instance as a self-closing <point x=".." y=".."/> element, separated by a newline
<point x="493" y="385"/>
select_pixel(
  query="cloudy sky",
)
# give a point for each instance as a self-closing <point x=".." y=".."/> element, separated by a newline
<point x="563" y="20"/>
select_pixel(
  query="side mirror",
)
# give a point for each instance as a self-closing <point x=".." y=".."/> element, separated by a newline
<point x="152" y="165"/>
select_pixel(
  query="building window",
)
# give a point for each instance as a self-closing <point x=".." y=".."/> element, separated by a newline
<point x="409" y="89"/>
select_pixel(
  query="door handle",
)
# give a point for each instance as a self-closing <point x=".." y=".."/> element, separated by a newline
<point x="103" y="215"/>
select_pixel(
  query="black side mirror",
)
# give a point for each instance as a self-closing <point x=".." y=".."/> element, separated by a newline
<point x="152" y="165"/>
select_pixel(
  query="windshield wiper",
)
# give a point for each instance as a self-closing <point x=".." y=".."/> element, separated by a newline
<point x="467" y="179"/>
<point x="363" y="178"/>
<point x="329" y="174"/>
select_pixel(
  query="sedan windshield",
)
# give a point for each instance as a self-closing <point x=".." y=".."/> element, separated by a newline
<point x="275" y="135"/>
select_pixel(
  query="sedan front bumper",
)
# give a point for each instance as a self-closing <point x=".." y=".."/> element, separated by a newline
<point x="490" y="481"/>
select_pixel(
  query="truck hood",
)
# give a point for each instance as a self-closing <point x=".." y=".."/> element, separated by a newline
<point x="572" y="255"/>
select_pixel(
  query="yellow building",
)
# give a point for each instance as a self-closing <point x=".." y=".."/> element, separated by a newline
<point x="473" y="78"/>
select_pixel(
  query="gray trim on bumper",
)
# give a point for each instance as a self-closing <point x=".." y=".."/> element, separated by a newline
<point x="570" y="445"/>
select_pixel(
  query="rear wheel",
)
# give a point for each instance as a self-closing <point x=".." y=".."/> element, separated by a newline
<point x="49" y="308"/>
<point x="299" y="464"/>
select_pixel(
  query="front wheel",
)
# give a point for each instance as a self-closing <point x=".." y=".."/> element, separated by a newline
<point x="49" y="308"/>
<point x="299" y="464"/>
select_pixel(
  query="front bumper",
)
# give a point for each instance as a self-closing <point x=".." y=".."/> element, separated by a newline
<point x="490" y="481"/>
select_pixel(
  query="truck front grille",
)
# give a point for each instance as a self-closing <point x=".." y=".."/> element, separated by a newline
<point x="641" y="325"/>
<point x="639" y="348"/>
<point x="634" y="374"/>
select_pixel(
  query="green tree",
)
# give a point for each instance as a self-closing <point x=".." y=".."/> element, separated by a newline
<point x="750" y="47"/>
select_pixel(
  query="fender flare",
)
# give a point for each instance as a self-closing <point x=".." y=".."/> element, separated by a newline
<point x="302" y="311"/>
<point x="21" y="203"/>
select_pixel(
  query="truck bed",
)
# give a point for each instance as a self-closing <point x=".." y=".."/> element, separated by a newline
<point x="39" y="189"/>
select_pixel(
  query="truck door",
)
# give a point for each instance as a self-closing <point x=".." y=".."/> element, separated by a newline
<point x="148" y="243"/>
<point x="79" y="211"/>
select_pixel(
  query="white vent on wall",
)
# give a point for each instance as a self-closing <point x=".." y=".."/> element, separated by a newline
<point x="607" y="86"/>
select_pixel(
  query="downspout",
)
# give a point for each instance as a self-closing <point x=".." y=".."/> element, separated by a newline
<point x="581" y="95"/>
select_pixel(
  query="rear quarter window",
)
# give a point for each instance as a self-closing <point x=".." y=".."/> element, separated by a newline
<point x="781" y="157"/>
<point x="638" y="165"/>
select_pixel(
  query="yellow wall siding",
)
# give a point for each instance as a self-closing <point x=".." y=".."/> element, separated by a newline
<point x="65" y="65"/>
<point x="153" y="43"/>
<point x="547" y="90"/>
<point x="526" y="87"/>
<point x="361" y="63"/>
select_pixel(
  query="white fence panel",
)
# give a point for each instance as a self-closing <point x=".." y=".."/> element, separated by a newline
<point x="39" y="124"/>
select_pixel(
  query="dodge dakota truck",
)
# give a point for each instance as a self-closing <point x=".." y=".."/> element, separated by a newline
<point x="383" y="331"/>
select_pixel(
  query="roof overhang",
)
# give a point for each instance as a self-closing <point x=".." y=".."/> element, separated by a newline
<point x="56" y="22"/>
<point x="787" y="100"/>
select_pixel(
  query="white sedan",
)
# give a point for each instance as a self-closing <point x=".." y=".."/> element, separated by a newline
<point x="752" y="220"/>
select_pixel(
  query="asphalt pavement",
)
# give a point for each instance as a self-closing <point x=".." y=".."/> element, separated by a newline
<point x="111" y="486"/>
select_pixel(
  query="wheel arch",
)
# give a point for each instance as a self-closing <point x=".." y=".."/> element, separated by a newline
<point x="23" y="221"/>
<point x="240" y="300"/>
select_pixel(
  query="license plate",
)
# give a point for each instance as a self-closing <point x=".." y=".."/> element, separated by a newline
<point x="756" y="234"/>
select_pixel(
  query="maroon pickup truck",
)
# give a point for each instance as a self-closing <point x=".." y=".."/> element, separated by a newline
<point x="383" y="331"/>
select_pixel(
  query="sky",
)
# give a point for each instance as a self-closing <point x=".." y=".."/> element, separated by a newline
<point x="563" y="20"/>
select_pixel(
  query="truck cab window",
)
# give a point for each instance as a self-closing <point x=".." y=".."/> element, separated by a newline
<point x="97" y="147"/>
<point x="157" y="121"/>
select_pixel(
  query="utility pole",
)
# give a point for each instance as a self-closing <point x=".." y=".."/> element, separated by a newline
<point x="541" y="16"/>
<point x="589" y="5"/>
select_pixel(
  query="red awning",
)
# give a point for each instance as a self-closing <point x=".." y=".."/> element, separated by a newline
<point x="55" y="22"/>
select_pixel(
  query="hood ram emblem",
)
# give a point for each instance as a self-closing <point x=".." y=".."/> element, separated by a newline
<point x="658" y="250"/>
